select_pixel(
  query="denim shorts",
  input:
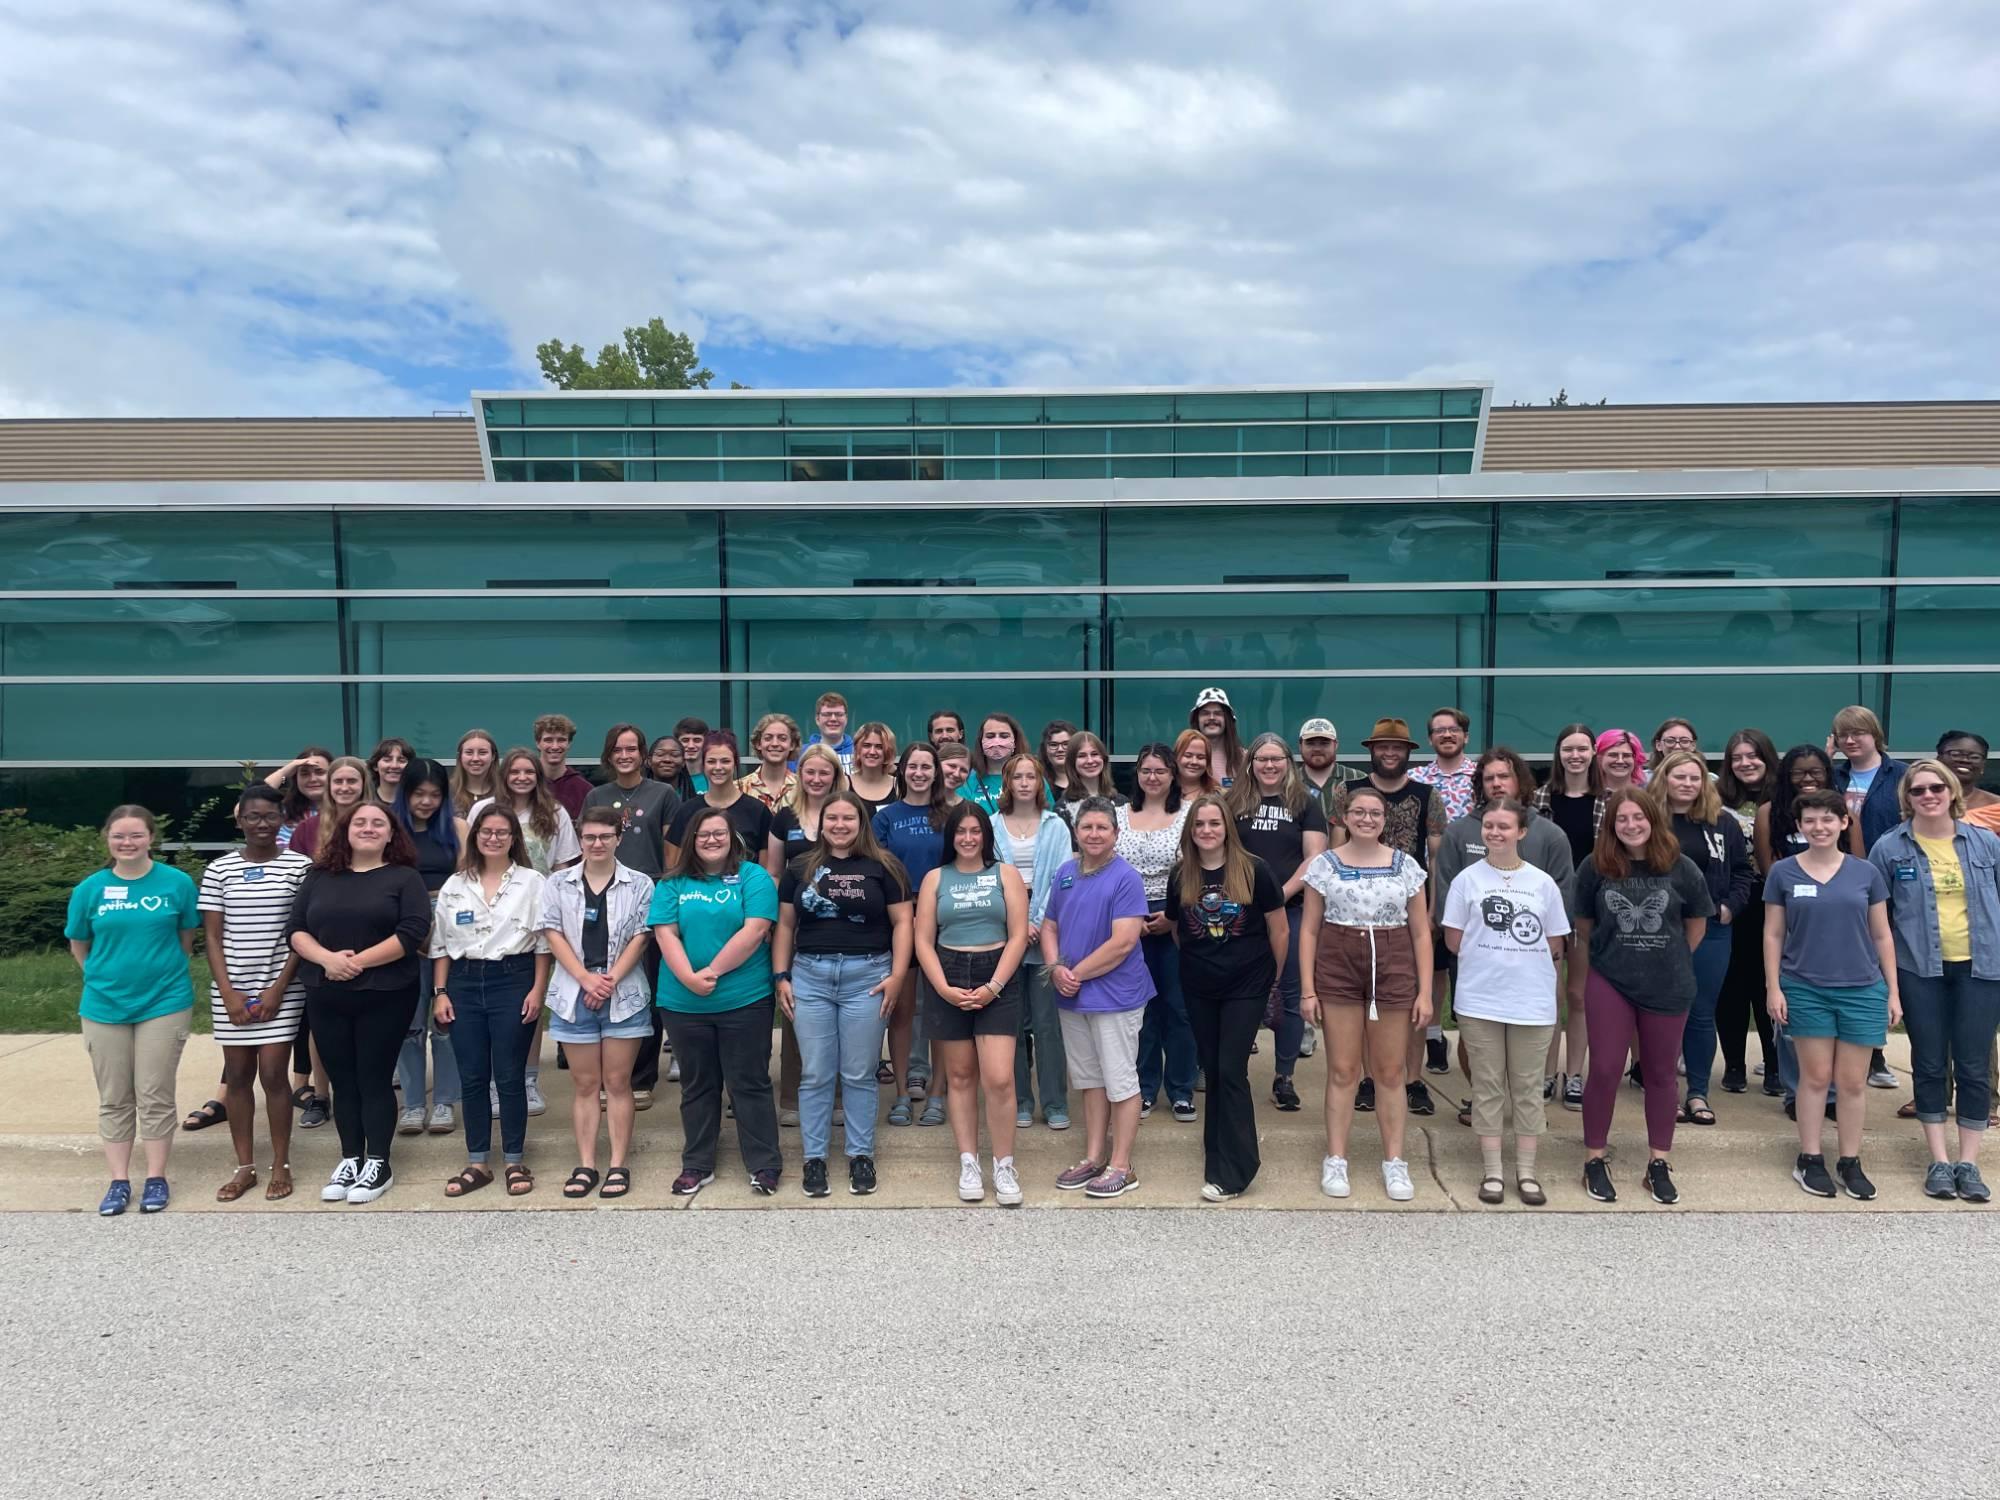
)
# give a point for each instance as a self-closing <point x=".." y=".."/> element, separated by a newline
<point x="592" y="1026"/>
<point x="1848" y="1013"/>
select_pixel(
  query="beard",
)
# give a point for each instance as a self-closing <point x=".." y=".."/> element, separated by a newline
<point x="1387" y="765"/>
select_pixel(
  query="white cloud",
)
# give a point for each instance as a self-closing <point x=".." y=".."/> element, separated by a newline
<point x="265" y="207"/>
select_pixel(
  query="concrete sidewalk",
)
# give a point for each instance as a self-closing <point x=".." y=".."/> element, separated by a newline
<point x="50" y="1157"/>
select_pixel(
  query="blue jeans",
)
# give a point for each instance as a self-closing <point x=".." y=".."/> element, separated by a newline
<point x="1041" y="1023"/>
<point x="1951" y="1020"/>
<point x="1711" y="967"/>
<point x="489" y="1040"/>
<point x="443" y="1061"/>
<point x="837" y="1014"/>
<point x="1291" y="1027"/>
<point x="1165" y="1031"/>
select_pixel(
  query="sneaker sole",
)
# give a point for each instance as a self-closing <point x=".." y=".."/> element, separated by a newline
<point x="1867" y="1197"/>
<point x="1010" y="1200"/>
<point x="1800" y="1178"/>
<point x="1342" y="1192"/>
<point x="1117" y="1193"/>
<point x="1072" y="1187"/>
<point x="369" y="1195"/>
<point x="681" y="1192"/>
<point x="1061" y="1123"/>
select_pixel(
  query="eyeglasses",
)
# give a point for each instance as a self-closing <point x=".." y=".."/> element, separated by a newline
<point x="597" y="838"/>
<point x="712" y="836"/>
<point x="1928" y="789"/>
<point x="1677" y="742"/>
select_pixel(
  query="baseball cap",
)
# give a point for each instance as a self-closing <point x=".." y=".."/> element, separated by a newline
<point x="1318" y="729"/>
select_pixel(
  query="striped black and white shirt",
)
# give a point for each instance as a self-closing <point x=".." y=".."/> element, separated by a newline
<point x="255" y="901"/>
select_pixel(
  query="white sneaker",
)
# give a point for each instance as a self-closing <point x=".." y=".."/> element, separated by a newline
<point x="494" y="1090"/>
<point x="442" y="1120"/>
<point x="674" y="1071"/>
<point x="1211" y="1193"/>
<point x="372" y="1183"/>
<point x="342" y="1179"/>
<point x="411" y="1121"/>
<point x="1006" y="1185"/>
<point x="971" y="1181"/>
<point x="1308" y="1042"/>
<point x="1396" y="1180"/>
<point x="1333" y="1177"/>
<point x="537" y="1105"/>
<point x="1757" y="1071"/>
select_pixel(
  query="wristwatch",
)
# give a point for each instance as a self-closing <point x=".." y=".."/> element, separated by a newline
<point x="778" y="974"/>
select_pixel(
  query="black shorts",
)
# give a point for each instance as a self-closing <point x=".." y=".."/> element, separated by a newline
<point x="945" y="1022"/>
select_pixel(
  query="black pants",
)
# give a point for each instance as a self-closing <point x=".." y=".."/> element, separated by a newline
<point x="1224" y="1027"/>
<point x="727" y="1049"/>
<point x="646" y="1067"/>
<point x="1742" y="996"/>
<point x="359" y="1034"/>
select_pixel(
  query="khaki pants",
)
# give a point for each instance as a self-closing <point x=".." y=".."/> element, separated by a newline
<point x="1506" y="1062"/>
<point x="135" y="1067"/>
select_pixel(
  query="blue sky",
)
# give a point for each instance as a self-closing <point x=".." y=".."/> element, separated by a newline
<point x="259" y="208"/>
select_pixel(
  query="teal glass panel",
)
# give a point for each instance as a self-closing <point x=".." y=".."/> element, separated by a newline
<point x="816" y="444"/>
<point x="506" y="473"/>
<point x="906" y="706"/>
<point x="1216" y="545"/>
<point x="1137" y="439"/>
<point x="503" y="414"/>
<point x="600" y="471"/>
<point x="1923" y="705"/>
<point x="1290" y="466"/>
<point x="1242" y="406"/>
<point x="931" y="409"/>
<point x="1791" y="708"/>
<point x="1221" y="629"/>
<point x="1280" y="438"/>
<point x="588" y="412"/>
<point x="742" y="444"/>
<point x="688" y="444"/>
<point x="1077" y="468"/>
<point x="1319" y="464"/>
<point x="639" y="413"/>
<point x="1747" y="539"/>
<point x="996" y="408"/>
<point x="1413" y="435"/>
<point x="970" y="468"/>
<point x="501" y="549"/>
<point x="507" y="444"/>
<point x="1158" y="708"/>
<point x="549" y="444"/>
<point x="1078" y="440"/>
<point x="1369" y="404"/>
<point x="1206" y="440"/>
<point x="1361" y="463"/>
<point x="614" y="444"/>
<point x="434" y="715"/>
<point x="845" y="412"/>
<point x="1206" y="468"/>
<point x="1938" y="623"/>
<point x="1652" y="627"/>
<point x="690" y="471"/>
<point x="1130" y="467"/>
<point x="1454" y="463"/>
<point x="972" y="440"/>
<point x="718" y="411"/>
<point x="552" y="473"/>
<point x="154" y="550"/>
<point x="167" y="637"/>
<point x="176" y="721"/>
<point x="1014" y="547"/>
<point x="1413" y="463"/>
<point x="882" y="444"/>
<point x="1949" y="536"/>
<point x="1459" y="403"/>
<point x="639" y="473"/>
<point x="1367" y="437"/>
<point x="1109" y="408"/>
<point x="1458" y="434"/>
<point x="1018" y="440"/>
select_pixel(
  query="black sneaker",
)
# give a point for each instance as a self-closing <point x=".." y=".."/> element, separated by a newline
<point x="1283" y="1095"/>
<point x="1832" y="1113"/>
<point x="1810" y="1174"/>
<point x="1660" y="1182"/>
<point x="1364" y="1097"/>
<point x="1597" y="1181"/>
<point x="1419" y="1098"/>
<point x="1791" y="1107"/>
<point x="315" y="1113"/>
<point x="1146" y="1109"/>
<point x="1634" y="1077"/>
<point x="814" y="1181"/>
<point x="1848" y="1168"/>
<point x="1436" y="1058"/>
<point x="1735" y="1081"/>
<point x="1772" y="1088"/>
<point x="861" y="1175"/>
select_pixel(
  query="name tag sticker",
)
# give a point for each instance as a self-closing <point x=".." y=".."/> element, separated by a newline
<point x="116" y="893"/>
<point x="1905" y="872"/>
<point x="1804" y="890"/>
<point x="464" y="919"/>
<point x="1347" y="874"/>
<point x="253" y="872"/>
<point x="1067" y="881"/>
<point x="590" y="914"/>
<point x="732" y="880"/>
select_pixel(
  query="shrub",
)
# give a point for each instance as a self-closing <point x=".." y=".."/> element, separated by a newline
<point x="40" y="866"/>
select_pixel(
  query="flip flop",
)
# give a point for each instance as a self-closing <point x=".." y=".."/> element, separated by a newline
<point x="212" y="1113"/>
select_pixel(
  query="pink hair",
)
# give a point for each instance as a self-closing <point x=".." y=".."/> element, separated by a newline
<point x="1612" y="737"/>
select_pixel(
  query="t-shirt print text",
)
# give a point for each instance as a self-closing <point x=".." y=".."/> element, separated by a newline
<point x="144" y="903"/>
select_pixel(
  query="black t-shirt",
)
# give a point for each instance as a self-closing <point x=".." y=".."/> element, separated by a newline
<point x="750" y="818"/>
<point x="596" y="954"/>
<point x="845" y="908"/>
<point x="1225" y="947"/>
<point x="786" y="830"/>
<point x="1638" y="940"/>
<point x="1577" y="818"/>
<point x="1279" y="838"/>
<point x="434" y="862"/>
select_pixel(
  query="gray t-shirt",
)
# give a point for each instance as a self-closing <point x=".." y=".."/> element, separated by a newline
<point x="1826" y="922"/>
<point x="1637" y="941"/>
<point x="644" y="812"/>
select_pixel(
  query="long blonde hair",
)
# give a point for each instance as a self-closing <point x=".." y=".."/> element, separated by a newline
<point x="542" y="804"/>
<point x="818" y="853"/>
<point x="463" y="792"/>
<point x="1239" y="870"/>
<point x="821" y="751"/>
<point x="1246" y="796"/>
<point x="1707" y="804"/>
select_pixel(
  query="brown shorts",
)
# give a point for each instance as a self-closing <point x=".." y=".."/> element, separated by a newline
<point x="1346" y="960"/>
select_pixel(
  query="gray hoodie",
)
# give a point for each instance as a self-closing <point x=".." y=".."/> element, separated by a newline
<point x="1543" y="845"/>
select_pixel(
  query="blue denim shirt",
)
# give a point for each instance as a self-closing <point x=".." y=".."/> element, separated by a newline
<point x="1913" y="900"/>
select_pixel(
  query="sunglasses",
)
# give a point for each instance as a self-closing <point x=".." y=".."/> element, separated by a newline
<point x="1928" y="789"/>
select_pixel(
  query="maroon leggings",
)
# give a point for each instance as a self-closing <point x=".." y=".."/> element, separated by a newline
<point x="1612" y="1020"/>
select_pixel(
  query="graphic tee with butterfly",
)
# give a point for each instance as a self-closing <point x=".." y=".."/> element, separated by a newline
<point x="1225" y="947"/>
<point x="844" y="907"/>
<point x="1637" y="941"/>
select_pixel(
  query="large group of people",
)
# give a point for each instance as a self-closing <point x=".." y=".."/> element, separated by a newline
<point x="989" y="930"/>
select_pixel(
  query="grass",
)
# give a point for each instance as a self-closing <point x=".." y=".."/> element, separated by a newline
<point x="39" y="992"/>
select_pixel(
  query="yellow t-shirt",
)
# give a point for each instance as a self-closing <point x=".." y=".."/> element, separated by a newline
<point x="1948" y="882"/>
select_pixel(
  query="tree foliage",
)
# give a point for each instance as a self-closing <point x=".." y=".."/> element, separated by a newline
<point x="652" y="358"/>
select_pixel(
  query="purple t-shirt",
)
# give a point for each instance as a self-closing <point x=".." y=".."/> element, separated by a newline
<point x="1083" y="907"/>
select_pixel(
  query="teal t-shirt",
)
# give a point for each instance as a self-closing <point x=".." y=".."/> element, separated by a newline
<point x="137" y="969"/>
<point x="709" y="913"/>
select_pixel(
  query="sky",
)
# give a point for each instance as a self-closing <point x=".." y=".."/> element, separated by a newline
<point x="279" y="209"/>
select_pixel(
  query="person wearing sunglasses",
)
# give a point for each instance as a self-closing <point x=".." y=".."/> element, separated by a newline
<point x="1943" y="875"/>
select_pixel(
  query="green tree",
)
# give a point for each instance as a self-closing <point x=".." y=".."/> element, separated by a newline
<point x="652" y="358"/>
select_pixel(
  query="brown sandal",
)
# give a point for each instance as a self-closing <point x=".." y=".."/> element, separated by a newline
<point x="280" y="1185"/>
<point x="236" y="1187"/>
<point x="520" y="1181"/>
<point x="471" y="1180"/>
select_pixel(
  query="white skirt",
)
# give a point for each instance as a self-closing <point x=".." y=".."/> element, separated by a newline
<point x="283" y="1027"/>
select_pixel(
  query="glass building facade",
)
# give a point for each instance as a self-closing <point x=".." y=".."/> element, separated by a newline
<point x="154" y="636"/>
